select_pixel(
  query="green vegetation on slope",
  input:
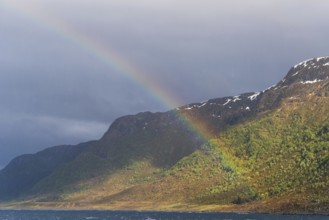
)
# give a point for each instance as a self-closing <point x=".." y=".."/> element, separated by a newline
<point x="277" y="162"/>
<point x="282" y="154"/>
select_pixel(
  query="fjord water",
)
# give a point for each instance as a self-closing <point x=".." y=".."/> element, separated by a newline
<point x="130" y="215"/>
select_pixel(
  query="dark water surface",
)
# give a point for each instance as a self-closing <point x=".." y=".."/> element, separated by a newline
<point x="130" y="215"/>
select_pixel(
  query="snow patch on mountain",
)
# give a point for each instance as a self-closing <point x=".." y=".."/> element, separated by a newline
<point x="302" y="63"/>
<point x="296" y="73"/>
<point x="271" y="87"/>
<point x="254" y="96"/>
<point x="227" y="101"/>
<point x="202" y="104"/>
<point x="312" y="62"/>
<point x="321" y="58"/>
<point x="236" y="98"/>
<point x="310" y="82"/>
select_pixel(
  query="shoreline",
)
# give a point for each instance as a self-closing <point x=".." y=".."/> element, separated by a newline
<point x="225" y="209"/>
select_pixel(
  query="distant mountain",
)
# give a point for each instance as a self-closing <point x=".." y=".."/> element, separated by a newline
<point x="26" y="170"/>
<point x="260" y="151"/>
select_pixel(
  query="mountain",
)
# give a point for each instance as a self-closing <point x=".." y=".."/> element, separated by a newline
<point x="26" y="170"/>
<point x="259" y="151"/>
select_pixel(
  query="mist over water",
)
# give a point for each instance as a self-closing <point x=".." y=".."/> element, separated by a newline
<point x="131" y="215"/>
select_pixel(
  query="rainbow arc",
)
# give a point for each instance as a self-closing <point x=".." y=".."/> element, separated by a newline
<point x="110" y="57"/>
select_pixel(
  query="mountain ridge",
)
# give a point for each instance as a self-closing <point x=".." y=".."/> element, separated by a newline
<point x="147" y="144"/>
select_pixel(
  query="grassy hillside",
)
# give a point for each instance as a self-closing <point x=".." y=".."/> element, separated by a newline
<point x="284" y="155"/>
<point x="278" y="162"/>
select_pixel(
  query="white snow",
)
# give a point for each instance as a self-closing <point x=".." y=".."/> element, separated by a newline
<point x="326" y="64"/>
<point x="311" y="82"/>
<point x="203" y="104"/>
<point x="247" y="108"/>
<point x="320" y="58"/>
<point x="196" y="106"/>
<point x="254" y="96"/>
<point x="270" y="88"/>
<point x="302" y="63"/>
<point x="236" y="98"/>
<point x="295" y="73"/>
<point x="227" y="101"/>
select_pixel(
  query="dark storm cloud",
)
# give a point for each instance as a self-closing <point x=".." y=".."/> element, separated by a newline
<point x="55" y="91"/>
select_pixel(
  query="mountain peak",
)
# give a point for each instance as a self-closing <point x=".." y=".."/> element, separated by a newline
<point x="309" y="71"/>
<point x="313" y="61"/>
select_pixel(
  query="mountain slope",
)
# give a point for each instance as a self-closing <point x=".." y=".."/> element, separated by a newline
<point x="23" y="172"/>
<point x="269" y="151"/>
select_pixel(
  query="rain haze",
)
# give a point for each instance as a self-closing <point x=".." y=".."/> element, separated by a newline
<point x="69" y="68"/>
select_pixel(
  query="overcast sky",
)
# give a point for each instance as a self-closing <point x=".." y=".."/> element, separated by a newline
<point x="68" y="68"/>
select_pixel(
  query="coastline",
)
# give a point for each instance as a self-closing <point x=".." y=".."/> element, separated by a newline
<point x="152" y="207"/>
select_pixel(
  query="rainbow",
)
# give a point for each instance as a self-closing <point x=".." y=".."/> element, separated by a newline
<point x="110" y="57"/>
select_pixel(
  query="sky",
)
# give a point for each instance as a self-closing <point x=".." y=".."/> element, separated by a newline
<point x="69" y="68"/>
